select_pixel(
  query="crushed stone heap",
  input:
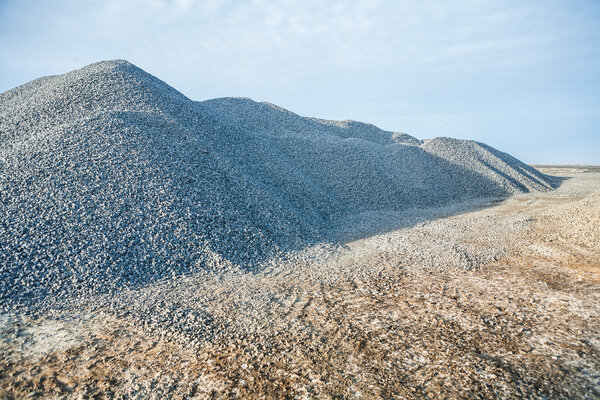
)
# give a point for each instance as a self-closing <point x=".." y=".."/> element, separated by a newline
<point x="110" y="178"/>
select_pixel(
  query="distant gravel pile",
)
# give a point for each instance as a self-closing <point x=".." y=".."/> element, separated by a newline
<point x="110" y="178"/>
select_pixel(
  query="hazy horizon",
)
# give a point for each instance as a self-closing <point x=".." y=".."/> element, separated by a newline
<point x="520" y="76"/>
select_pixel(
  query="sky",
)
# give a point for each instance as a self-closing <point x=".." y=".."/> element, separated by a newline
<point x="522" y="76"/>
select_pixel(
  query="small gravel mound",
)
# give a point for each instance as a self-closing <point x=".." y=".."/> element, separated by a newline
<point x="110" y="178"/>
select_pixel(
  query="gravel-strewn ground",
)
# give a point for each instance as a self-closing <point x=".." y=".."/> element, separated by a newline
<point x="110" y="179"/>
<point x="499" y="302"/>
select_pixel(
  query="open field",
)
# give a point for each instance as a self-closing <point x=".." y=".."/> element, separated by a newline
<point x="558" y="169"/>
<point x="495" y="300"/>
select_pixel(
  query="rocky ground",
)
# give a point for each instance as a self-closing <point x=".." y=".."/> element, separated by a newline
<point x="502" y="301"/>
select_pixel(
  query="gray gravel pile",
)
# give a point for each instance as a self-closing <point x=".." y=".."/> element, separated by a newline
<point x="505" y="171"/>
<point x="268" y="118"/>
<point x="110" y="178"/>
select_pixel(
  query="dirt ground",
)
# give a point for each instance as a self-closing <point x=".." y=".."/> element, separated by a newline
<point x="499" y="302"/>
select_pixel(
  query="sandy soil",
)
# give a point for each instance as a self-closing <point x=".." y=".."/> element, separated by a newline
<point x="499" y="302"/>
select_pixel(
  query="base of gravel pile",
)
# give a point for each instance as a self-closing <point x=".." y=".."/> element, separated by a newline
<point x="499" y="302"/>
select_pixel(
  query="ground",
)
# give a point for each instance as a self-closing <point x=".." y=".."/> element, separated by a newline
<point x="495" y="300"/>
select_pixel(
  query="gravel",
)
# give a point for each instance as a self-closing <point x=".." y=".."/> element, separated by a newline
<point x="498" y="302"/>
<point x="110" y="179"/>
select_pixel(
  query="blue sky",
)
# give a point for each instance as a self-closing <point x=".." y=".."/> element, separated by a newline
<point x="522" y="76"/>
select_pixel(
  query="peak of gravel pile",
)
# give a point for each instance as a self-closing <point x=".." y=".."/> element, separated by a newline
<point x="267" y="118"/>
<point x="110" y="178"/>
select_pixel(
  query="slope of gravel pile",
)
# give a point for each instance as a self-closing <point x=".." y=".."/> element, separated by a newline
<point x="110" y="178"/>
<point x="267" y="118"/>
<point x="501" y="168"/>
